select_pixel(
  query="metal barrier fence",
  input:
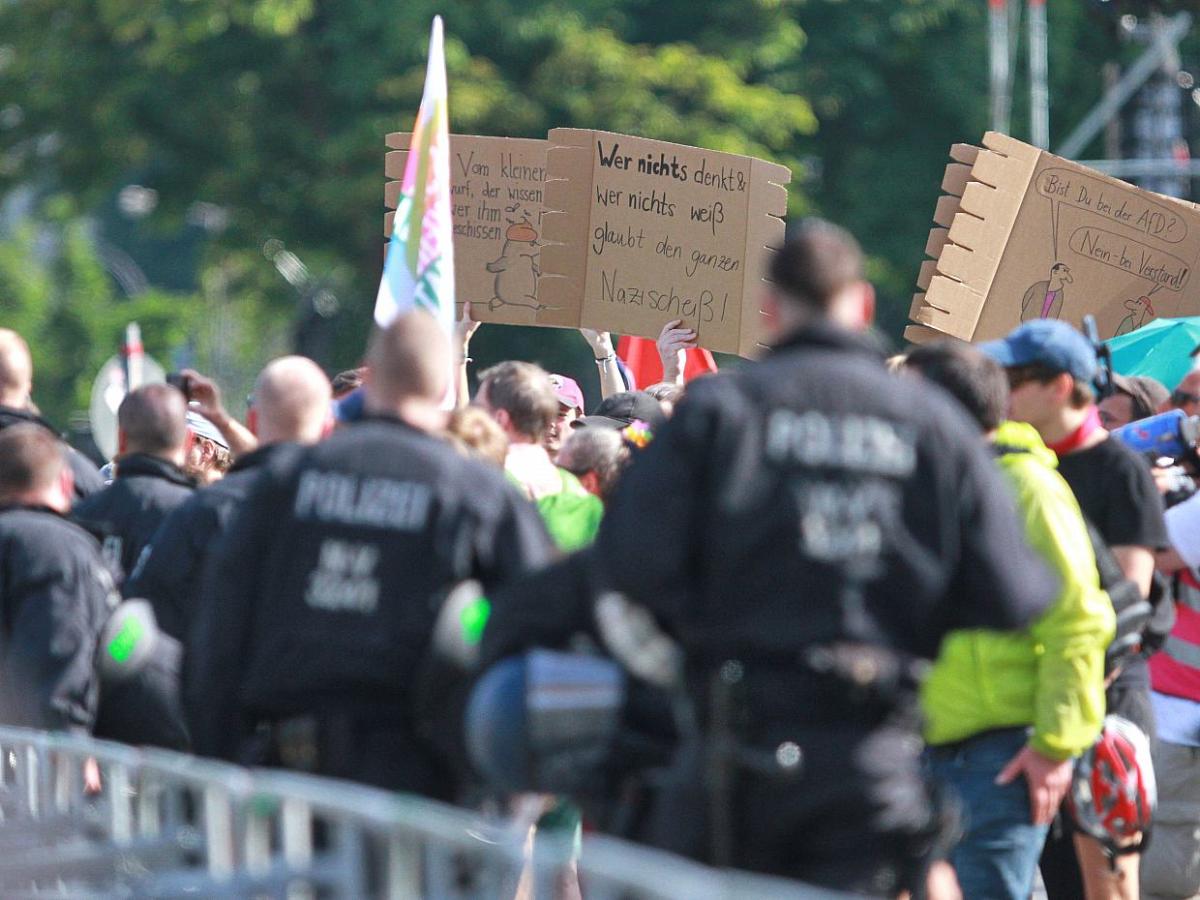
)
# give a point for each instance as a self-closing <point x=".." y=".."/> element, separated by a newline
<point x="165" y="825"/>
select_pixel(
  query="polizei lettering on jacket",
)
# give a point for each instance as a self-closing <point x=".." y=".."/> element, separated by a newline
<point x="368" y="502"/>
<point x="848" y="441"/>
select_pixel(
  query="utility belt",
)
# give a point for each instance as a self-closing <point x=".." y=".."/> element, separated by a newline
<point x="828" y="696"/>
<point x="821" y="685"/>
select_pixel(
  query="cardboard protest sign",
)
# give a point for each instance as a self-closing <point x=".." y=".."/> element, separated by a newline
<point x="638" y="232"/>
<point x="1022" y="234"/>
<point x="496" y="189"/>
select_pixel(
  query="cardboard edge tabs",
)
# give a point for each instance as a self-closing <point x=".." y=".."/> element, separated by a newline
<point x="952" y="307"/>
<point x="393" y="163"/>
<point x="978" y="199"/>
<point x="1006" y="145"/>
<point x="918" y="303"/>
<point x="397" y="144"/>
<point x="966" y="266"/>
<point x="964" y="153"/>
<point x="995" y="170"/>
<point x="391" y="193"/>
<point x="393" y="168"/>
<point x="969" y="251"/>
<point x="937" y="240"/>
<point x="928" y="270"/>
<point x="569" y="164"/>
<point x="947" y="208"/>
<point x="956" y="178"/>
<point x="764" y="234"/>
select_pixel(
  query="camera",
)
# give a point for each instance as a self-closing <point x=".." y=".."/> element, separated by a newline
<point x="183" y="382"/>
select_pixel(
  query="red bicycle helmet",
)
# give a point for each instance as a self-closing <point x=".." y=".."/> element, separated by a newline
<point x="1113" y="793"/>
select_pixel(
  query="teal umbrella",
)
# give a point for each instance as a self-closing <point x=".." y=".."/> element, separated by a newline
<point x="1161" y="349"/>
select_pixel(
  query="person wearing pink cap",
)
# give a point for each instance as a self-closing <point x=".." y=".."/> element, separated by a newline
<point x="570" y="408"/>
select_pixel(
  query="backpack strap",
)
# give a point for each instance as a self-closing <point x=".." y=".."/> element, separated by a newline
<point x="1133" y="611"/>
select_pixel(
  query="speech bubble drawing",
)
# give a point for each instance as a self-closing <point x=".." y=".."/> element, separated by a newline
<point x="1116" y="204"/>
<point x="1132" y="257"/>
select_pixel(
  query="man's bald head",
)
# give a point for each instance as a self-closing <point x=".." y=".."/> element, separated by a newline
<point x="16" y="370"/>
<point x="291" y="401"/>
<point x="33" y="468"/>
<point x="408" y="365"/>
<point x="153" y="420"/>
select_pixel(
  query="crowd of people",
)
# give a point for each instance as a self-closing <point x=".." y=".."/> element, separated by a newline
<point x="912" y="626"/>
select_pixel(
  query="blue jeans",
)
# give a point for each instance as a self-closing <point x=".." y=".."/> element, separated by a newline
<point x="998" y="853"/>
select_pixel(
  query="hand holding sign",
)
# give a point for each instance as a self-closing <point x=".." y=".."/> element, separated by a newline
<point x="673" y="343"/>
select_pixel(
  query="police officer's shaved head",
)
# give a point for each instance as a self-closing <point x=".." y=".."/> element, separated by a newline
<point x="408" y="365"/>
<point x="291" y="401"/>
<point x="16" y="370"/>
<point x="153" y="420"/>
<point x="817" y="261"/>
<point x="31" y="462"/>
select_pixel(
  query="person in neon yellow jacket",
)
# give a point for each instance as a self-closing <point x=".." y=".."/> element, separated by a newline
<point x="1052" y="675"/>
<point x="1000" y="705"/>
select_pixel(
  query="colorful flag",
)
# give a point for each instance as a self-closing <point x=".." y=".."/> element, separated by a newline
<point x="419" y="270"/>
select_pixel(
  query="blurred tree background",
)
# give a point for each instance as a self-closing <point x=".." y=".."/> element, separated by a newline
<point x="213" y="168"/>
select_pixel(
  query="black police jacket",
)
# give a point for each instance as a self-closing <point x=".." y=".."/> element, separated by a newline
<point x="87" y="477"/>
<point x="146" y="709"/>
<point x="55" y="595"/>
<point x="168" y="572"/>
<point x="126" y="514"/>
<point x="814" y="498"/>
<point x="323" y="593"/>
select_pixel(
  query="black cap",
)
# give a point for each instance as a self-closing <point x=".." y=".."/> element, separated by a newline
<point x="624" y="409"/>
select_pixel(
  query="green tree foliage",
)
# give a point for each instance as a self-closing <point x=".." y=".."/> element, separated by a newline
<point x="58" y="295"/>
<point x="276" y="111"/>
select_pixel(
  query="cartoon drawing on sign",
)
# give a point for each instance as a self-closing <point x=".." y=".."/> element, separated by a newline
<point x="1140" y="309"/>
<point x="517" y="269"/>
<point x="1044" y="300"/>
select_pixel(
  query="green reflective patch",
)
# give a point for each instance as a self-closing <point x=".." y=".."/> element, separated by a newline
<point x="121" y="647"/>
<point x="474" y="620"/>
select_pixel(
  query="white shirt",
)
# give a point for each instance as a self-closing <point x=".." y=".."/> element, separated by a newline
<point x="1183" y="529"/>
<point x="1178" y="719"/>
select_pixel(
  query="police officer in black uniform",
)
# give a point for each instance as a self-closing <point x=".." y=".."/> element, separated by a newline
<point x="291" y="406"/>
<point x="55" y="590"/>
<point x="807" y="527"/>
<point x="318" y="605"/>
<point x="16" y="408"/>
<point x="150" y="483"/>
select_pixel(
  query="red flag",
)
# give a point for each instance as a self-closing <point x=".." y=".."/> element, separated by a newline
<point x="640" y="356"/>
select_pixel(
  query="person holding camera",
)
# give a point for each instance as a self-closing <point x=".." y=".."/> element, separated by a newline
<point x="290" y="407"/>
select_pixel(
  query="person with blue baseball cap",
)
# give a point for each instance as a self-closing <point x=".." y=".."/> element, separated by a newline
<point x="1051" y="367"/>
<point x="1046" y="342"/>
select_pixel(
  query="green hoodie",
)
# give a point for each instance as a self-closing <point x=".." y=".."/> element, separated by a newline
<point x="1050" y="676"/>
